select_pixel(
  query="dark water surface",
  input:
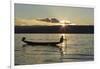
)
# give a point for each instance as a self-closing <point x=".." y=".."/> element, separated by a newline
<point x="76" y="47"/>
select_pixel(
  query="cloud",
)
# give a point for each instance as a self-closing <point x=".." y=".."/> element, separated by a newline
<point x="32" y="22"/>
<point x="23" y="22"/>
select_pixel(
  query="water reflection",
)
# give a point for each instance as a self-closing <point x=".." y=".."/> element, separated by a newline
<point x="69" y="51"/>
<point x="56" y="49"/>
<point x="60" y="46"/>
<point x="63" y="46"/>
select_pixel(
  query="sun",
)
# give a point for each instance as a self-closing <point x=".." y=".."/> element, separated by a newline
<point x="64" y="22"/>
<point x="63" y="25"/>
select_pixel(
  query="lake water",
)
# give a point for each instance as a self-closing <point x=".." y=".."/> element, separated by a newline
<point x="75" y="48"/>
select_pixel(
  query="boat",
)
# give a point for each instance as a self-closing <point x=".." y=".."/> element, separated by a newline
<point x="42" y="43"/>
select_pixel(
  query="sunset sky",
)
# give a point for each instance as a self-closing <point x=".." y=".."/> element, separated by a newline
<point x="77" y="15"/>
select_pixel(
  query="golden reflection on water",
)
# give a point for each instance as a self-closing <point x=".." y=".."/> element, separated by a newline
<point x="70" y="48"/>
<point x="63" y="44"/>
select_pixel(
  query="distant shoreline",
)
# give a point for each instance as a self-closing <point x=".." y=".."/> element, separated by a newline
<point x="73" y="29"/>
